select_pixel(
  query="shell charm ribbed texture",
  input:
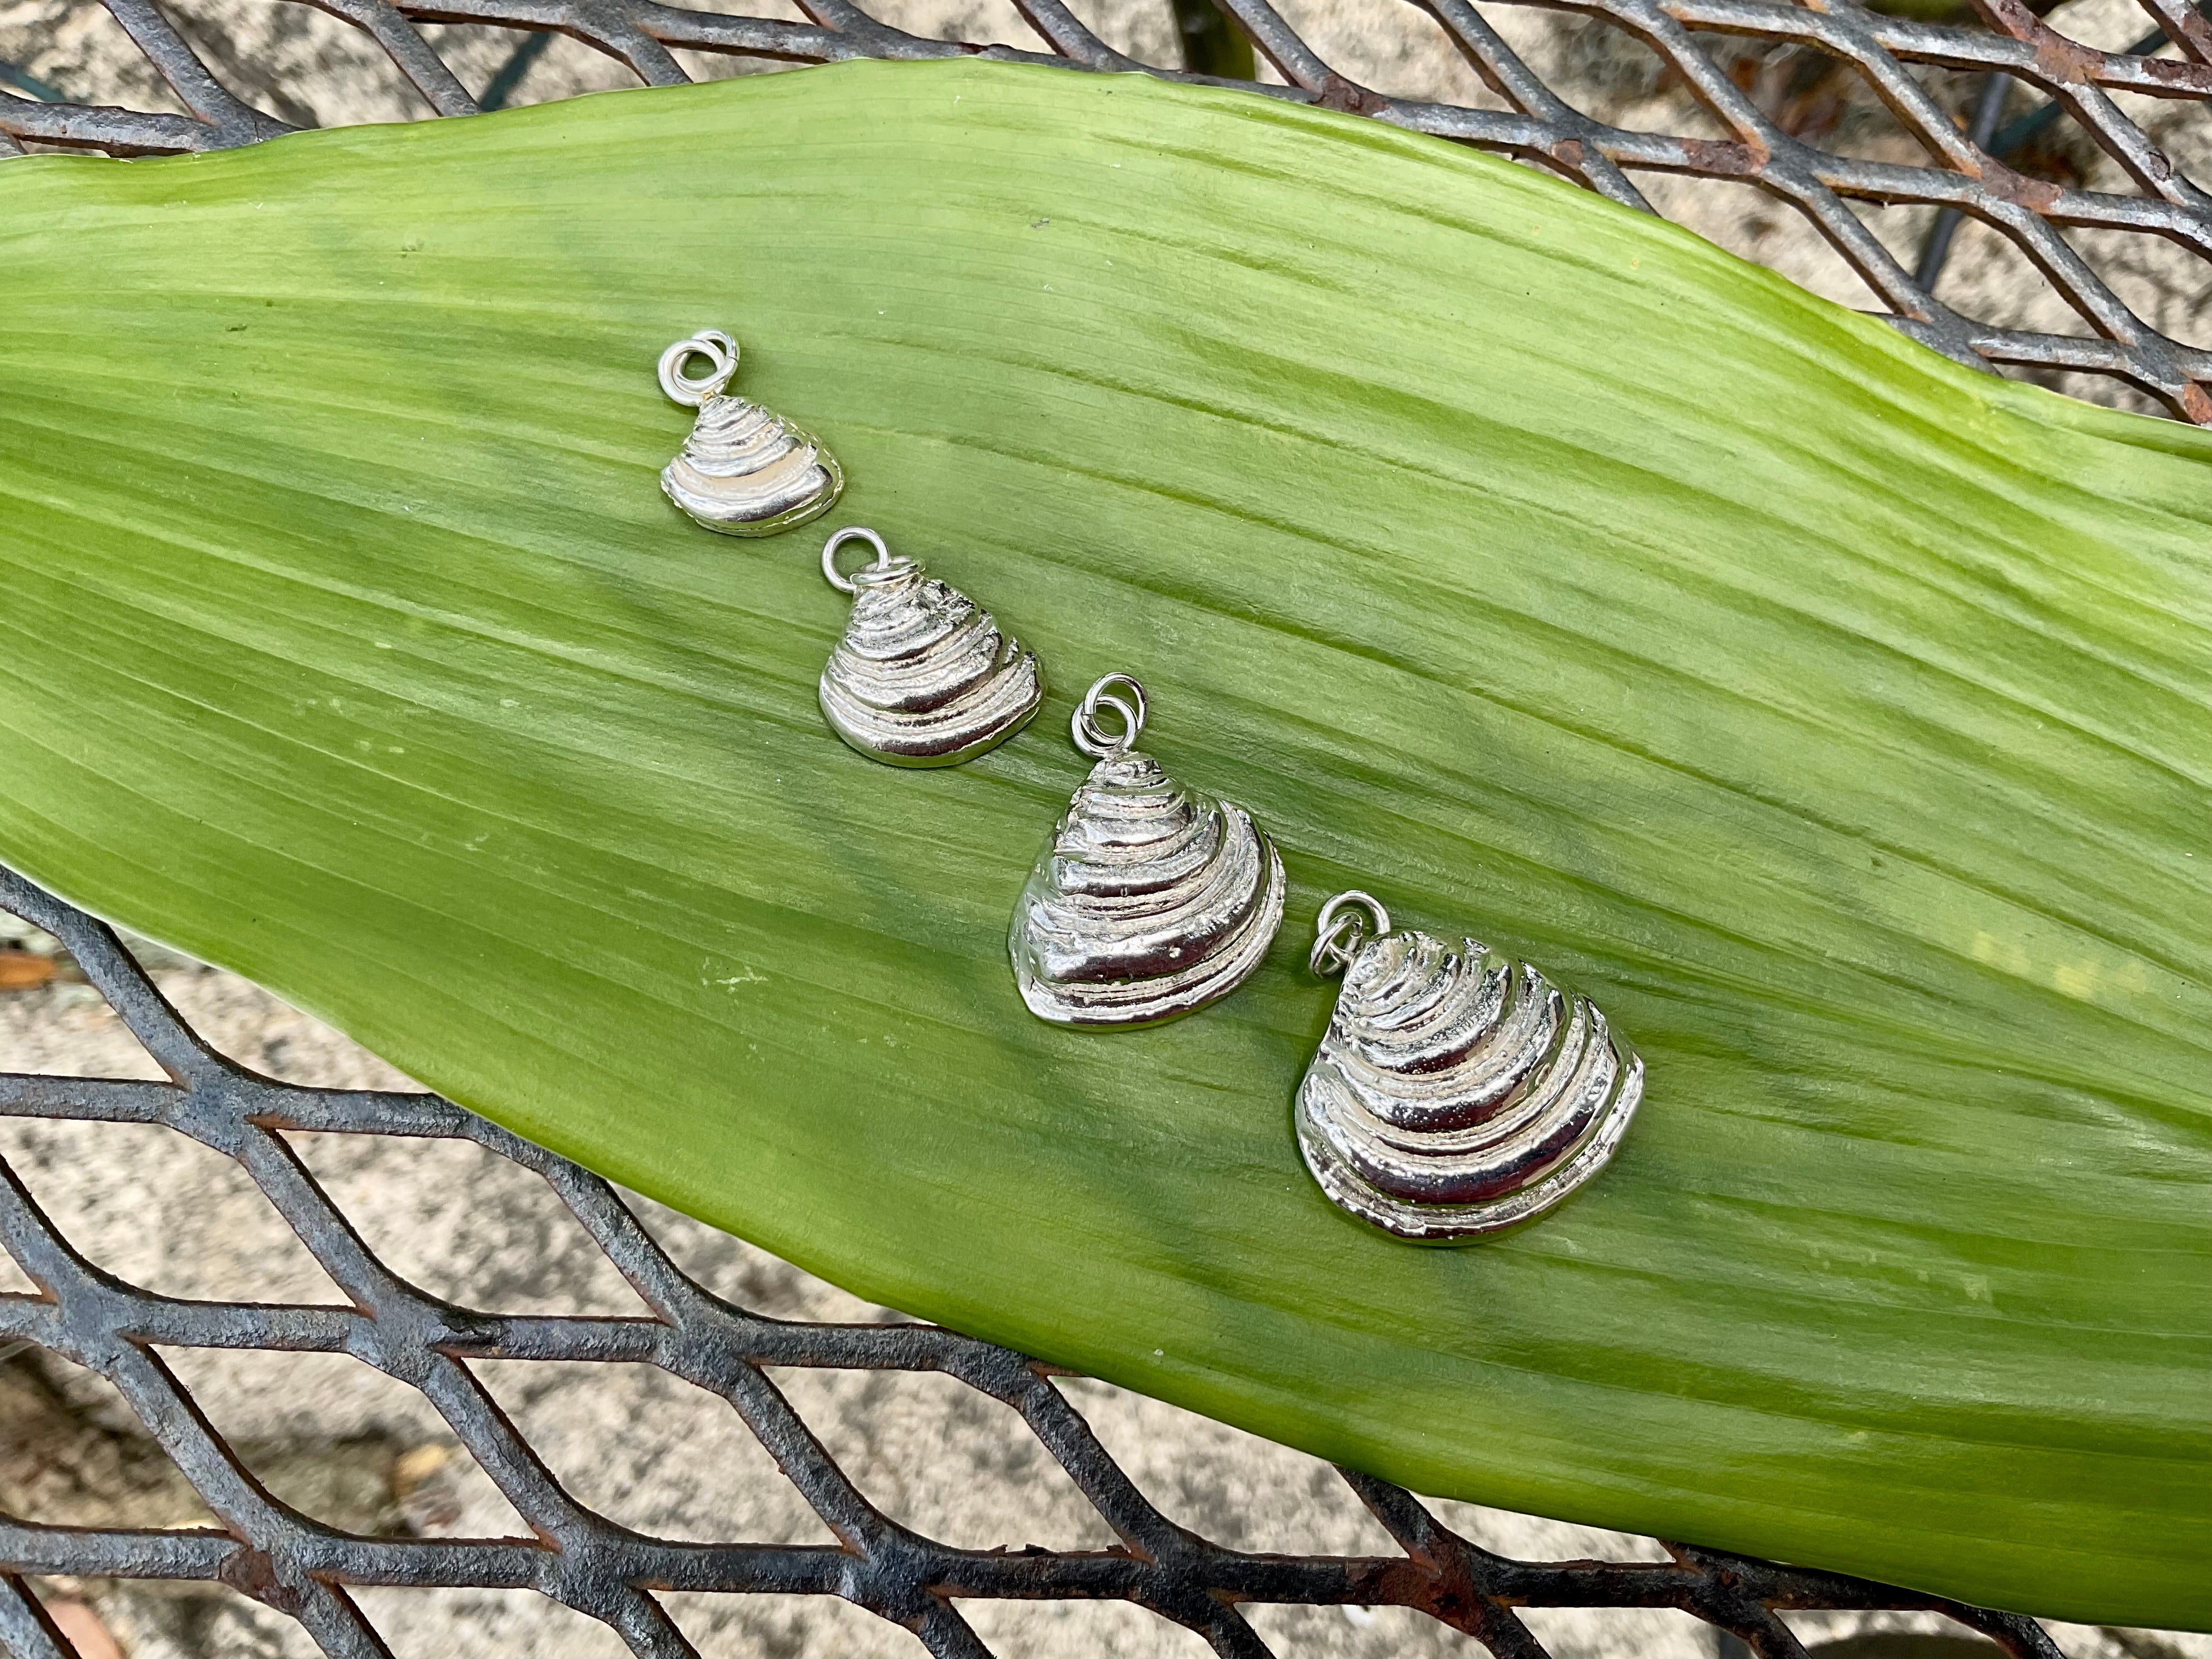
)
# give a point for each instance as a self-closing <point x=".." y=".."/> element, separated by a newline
<point x="923" y="677"/>
<point x="1152" y="899"/>
<point x="1456" y="1092"/>
<point x="745" y="470"/>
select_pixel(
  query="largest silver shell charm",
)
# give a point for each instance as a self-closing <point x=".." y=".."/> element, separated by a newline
<point x="1456" y="1092"/>
<point x="1151" y="900"/>
<point x="745" y="470"/>
<point x="923" y="677"/>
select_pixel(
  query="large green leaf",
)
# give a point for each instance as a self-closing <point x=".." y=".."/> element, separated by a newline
<point x="1841" y="718"/>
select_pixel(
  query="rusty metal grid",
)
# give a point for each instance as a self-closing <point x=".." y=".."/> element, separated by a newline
<point x="290" y="1562"/>
<point x="1906" y="62"/>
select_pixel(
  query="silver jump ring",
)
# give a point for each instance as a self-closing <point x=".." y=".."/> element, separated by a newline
<point x="1338" y="937"/>
<point x="1092" y="739"/>
<point x="691" y="390"/>
<point x="855" y="533"/>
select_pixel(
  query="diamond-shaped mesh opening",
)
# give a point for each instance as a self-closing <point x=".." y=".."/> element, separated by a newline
<point x="73" y="1454"/>
<point x="517" y="1624"/>
<point x="1957" y="92"/>
<point x="464" y="1224"/>
<point x="1648" y="1630"/>
<point x="907" y="1429"/>
<point x="1625" y="79"/>
<point x="1506" y="1532"/>
<point x="985" y="22"/>
<point x="269" y="1036"/>
<point x="82" y="53"/>
<point x="77" y="1622"/>
<point x="24" y="970"/>
<point x="443" y="1493"/>
<point x="503" y="67"/>
<point x="1416" y="58"/>
<point x="53" y="1023"/>
<point x="481" y="57"/>
<point x="1990" y="278"/>
<point x="342" y="1444"/>
<point x="1352" y="1631"/>
<point x="748" y="1276"/>
<point x="1047" y="1630"/>
<point x="770" y="1626"/>
<point x="296" y="63"/>
<point x="2108" y="25"/>
<point x="722" y="66"/>
<point x="651" y="1452"/>
<point x="1823" y="100"/>
<point x="63" y="1028"/>
<point x="2041" y="139"/>
<point x="1886" y="1636"/>
<point x="345" y="1484"/>
<point x="1904" y="231"/>
<point x="2176" y="126"/>
<point x="155" y="1207"/>
<point x="1250" y="1493"/>
<point x="2165" y="284"/>
<point x="166" y="1621"/>
<point x="1155" y="35"/>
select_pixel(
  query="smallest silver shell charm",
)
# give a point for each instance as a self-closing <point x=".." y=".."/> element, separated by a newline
<point x="923" y="677"/>
<point x="743" y="471"/>
<point x="1456" y="1092"/>
<point x="1151" y="901"/>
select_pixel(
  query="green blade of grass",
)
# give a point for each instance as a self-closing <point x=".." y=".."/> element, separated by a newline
<point x="1836" y="716"/>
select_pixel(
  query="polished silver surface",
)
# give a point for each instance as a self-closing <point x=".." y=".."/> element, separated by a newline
<point x="1151" y="900"/>
<point x="923" y="677"/>
<point x="745" y="470"/>
<point x="1456" y="1092"/>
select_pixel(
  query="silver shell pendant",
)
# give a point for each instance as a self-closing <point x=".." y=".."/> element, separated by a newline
<point x="923" y="677"/>
<point x="1151" y="901"/>
<point x="1456" y="1092"/>
<point x="745" y="470"/>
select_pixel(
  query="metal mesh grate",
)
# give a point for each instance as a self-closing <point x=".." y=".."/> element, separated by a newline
<point x="298" y="1566"/>
<point x="1945" y="86"/>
